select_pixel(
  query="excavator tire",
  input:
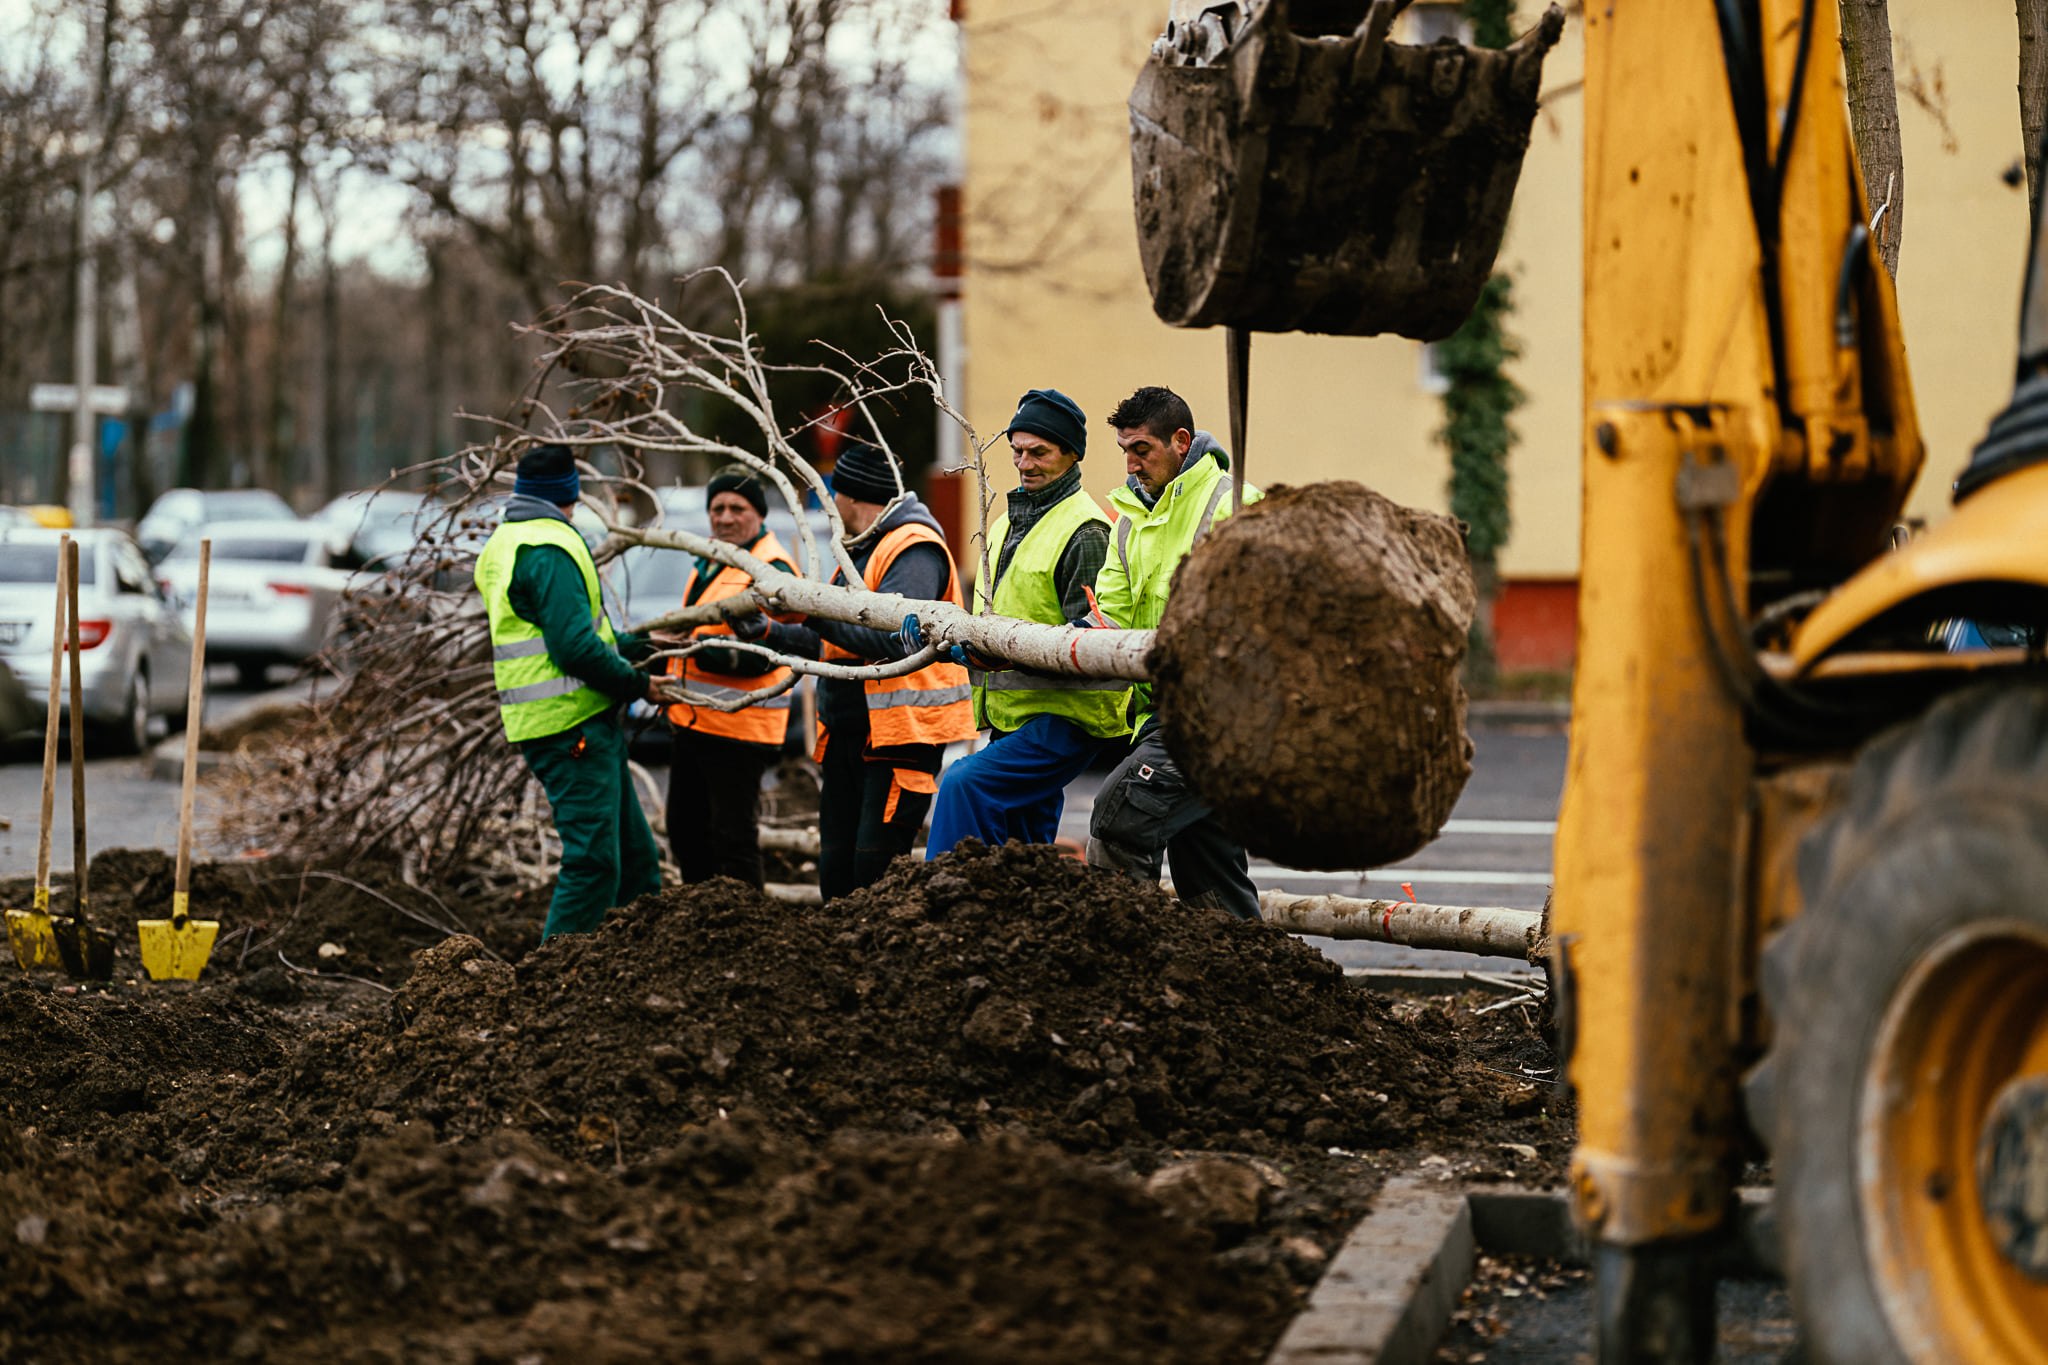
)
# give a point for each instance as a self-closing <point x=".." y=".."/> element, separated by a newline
<point x="1906" y="1092"/>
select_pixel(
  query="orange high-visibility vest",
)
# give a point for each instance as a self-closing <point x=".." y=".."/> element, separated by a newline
<point x="931" y="706"/>
<point x="762" y="723"/>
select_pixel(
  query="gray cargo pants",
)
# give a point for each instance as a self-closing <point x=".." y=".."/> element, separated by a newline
<point x="1147" y="808"/>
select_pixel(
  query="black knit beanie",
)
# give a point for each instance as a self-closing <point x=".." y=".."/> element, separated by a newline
<point x="549" y="473"/>
<point x="738" y="478"/>
<point x="864" y="473"/>
<point x="1053" y="415"/>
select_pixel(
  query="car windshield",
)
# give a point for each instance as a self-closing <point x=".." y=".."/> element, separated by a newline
<point x="270" y="550"/>
<point x="38" y="564"/>
<point x="252" y="504"/>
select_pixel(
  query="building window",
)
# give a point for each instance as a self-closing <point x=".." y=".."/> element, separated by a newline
<point x="1428" y="377"/>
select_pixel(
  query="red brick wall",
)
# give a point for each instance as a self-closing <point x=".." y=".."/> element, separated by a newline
<point x="1536" y="624"/>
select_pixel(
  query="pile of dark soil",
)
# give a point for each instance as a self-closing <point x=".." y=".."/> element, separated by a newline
<point x="725" y="1247"/>
<point x="1308" y="674"/>
<point x="993" y="991"/>
<point x="1002" y="1106"/>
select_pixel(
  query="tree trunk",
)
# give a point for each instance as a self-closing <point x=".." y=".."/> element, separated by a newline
<point x="1874" y="117"/>
<point x="2033" y="19"/>
<point x="278" y="438"/>
<point x="328" y="478"/>
<point x="1062" y="651"/>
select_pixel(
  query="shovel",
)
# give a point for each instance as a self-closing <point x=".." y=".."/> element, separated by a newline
<point x="87" y="949"/>
<point x="28" y="931"/>
<point x="179" y="946"/>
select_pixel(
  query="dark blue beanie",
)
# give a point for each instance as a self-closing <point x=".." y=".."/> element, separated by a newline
<point x="549" y="473"/>
<point x="1053" y="415"/>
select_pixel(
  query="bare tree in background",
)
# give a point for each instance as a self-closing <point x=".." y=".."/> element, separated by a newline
<point x="1874" y="117"/>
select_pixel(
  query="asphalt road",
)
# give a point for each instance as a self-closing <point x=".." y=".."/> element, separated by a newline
<point x="125" y="807"/>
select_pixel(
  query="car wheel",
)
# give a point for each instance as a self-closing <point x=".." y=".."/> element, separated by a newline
<point x="130" y="734"/>
<point x="252" y="677"/>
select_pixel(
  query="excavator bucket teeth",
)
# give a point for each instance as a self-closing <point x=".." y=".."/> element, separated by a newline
<point x="171" y="950"/>
<point x="87" y="949"/>
<point x="34" y="942"/>
<point x="1312" y="175"/>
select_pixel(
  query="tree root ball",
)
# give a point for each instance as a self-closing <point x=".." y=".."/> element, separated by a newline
<point x="1307" y="678"/>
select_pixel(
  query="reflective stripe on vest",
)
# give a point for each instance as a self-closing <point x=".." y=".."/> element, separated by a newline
<point x="932" y="705"/>
<point x="535" y="697"/>
<point x="761" y="723"/>
<point x="1018" y="680"/>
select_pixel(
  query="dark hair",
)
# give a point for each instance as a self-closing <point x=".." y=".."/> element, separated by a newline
<point x="1160" y="411"/>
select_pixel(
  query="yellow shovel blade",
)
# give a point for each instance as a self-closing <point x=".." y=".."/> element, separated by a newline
<point x="171" y="949"/>
<point x="30" y="935"/>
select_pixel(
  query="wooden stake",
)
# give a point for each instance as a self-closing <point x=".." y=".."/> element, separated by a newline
<point x="195" y="707"/>
<point x="1237" y="343"/>
<point x="50" y="729"/>
<point x="78" y="857"/>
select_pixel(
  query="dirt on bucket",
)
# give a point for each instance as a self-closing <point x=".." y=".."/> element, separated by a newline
<point x="1307" y="675"/>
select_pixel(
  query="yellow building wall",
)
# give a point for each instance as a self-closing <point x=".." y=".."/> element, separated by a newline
<point x="1055" y="296"/>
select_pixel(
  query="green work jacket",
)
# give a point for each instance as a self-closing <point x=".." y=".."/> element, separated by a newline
<point x="1148" y="544"/>
<point x="1025" y="589"/>
<point x="535" y="697"/>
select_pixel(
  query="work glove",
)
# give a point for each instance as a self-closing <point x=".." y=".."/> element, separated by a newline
<point x="911" y="638"/>
<point x="750" y="628"/>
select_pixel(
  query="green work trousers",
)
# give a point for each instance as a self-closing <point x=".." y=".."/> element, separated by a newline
<point x="608" y="853"/>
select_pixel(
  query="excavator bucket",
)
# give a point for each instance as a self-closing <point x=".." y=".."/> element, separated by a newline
<point x="1295" y="170"/>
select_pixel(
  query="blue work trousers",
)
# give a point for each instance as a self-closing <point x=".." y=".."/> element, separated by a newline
<point x="1015" y="788"/>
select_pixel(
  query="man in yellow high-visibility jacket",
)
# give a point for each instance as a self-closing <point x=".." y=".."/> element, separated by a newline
<point x="561" y="677"/>
<point x="1044" y="555"/>
<point x="1179" y="487"/>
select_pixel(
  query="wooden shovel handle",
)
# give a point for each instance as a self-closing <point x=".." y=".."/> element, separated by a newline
<point x="195" y="703"/>
<point x="78" y="859"/>
<point x="50" y="729"/>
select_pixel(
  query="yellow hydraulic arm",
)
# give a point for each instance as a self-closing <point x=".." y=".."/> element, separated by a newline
<point x="1749" y="433"/>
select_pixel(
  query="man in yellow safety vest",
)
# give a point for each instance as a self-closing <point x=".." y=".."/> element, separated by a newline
<point x="1179" y="486"/>
<point x="1045" y="553"/>
<point x="561" y="677"/>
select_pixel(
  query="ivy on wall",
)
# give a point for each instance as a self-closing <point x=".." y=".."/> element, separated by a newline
<point x="1478" y="400"/>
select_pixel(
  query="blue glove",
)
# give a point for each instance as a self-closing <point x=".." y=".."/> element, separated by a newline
<point x="910" y="639"/>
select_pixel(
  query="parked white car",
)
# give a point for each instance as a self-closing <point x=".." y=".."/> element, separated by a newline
<point x="381" y="524"/>
<point x="134" y="651"/>
<point x="179" y="512"/>
<point x="271" y="594"/>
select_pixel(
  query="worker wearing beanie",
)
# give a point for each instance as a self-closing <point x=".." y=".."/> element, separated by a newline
<point x="1049" y="547"/>
<point x="880" y="740"/>
<point x="714" y="780"/>
<point x="560" y="677"/>
<point x="1179" y="486"/>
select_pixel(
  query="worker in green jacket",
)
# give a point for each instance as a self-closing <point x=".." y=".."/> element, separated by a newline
<point x="561" y="677"/>
<point x="1179" y="486"/>
<point x="1044" y="554"/>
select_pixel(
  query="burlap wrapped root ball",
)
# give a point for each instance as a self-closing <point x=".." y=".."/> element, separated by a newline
<point x="1307" y="675"/>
